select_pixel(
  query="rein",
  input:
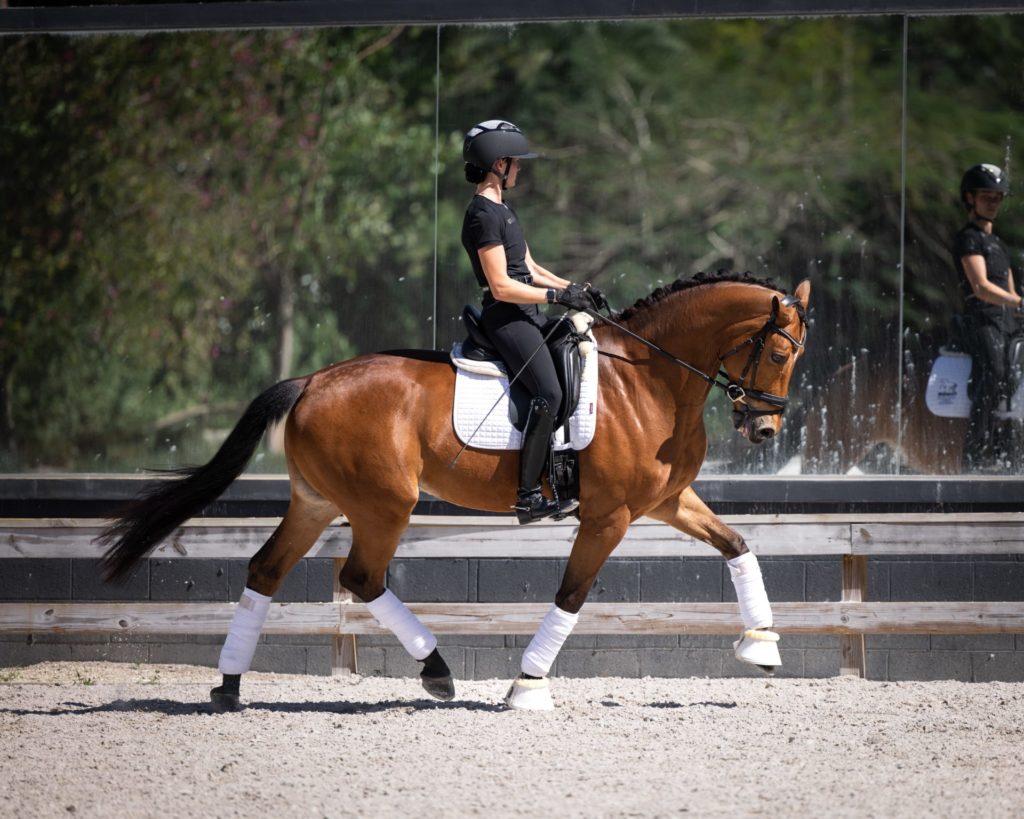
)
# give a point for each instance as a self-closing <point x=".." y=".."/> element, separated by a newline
<point x="735" y="390"/>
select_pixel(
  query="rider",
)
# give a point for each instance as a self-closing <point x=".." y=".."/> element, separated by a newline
<point x="993" y="305"/>
<point x="513" y="287"/>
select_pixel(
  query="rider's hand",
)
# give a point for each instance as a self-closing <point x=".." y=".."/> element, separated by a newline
<point x="575" y="297"/>
<point x="597" y="297"/>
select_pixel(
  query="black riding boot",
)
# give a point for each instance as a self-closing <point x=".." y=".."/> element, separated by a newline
<point x="531" y="504"/>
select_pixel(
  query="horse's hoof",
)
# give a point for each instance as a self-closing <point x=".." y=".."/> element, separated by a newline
<point x="442" y="688"/>
<point x="437" y="677"/>
<point x="529" y="694"/>
<point x="759" y="647"/>
<point x="224" y="701"/>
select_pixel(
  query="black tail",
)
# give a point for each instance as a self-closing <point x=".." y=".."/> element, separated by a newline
<point x="161" y="508"/>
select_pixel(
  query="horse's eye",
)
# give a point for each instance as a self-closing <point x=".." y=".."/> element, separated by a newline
<point x="779" y="358"/>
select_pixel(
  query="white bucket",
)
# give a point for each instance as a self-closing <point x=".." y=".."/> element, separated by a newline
<point x="946" y="393"/>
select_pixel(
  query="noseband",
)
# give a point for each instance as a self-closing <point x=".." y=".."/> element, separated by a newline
<point x="737" y="392"/>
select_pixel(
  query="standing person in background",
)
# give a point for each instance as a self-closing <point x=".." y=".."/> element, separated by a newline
<point x="993" y="310"/>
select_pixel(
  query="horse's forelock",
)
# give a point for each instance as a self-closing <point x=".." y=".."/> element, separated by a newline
<point x="720" y="277"/>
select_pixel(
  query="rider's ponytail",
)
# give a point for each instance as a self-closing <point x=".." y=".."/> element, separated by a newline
<point x="475" y="174"/>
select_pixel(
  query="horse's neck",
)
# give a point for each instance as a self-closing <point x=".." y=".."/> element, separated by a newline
<point x="695" y="325"/>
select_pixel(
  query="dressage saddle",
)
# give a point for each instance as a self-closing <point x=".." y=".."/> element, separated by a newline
<point x="564" y="346"/>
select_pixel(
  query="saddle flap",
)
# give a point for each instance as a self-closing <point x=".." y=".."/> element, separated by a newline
<point x="565" y="354"/>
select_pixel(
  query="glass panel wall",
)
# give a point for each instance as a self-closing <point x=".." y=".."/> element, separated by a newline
<point x="197" y="215"/>
<point x="964" y="107"/>
<point x="194" y="216"/>
<point x="678" y="147"/>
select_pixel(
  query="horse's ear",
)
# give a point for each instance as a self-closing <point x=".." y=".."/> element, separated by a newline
<point x="803" y="292"/>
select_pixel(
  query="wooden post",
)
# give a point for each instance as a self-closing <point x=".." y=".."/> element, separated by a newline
<point x="852" y="656"/>
<point x="344" y="657"/>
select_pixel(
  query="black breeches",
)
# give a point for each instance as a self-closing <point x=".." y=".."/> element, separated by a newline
<point x="517" y="338"/>
<point x="990" y="386"/>
<point x="992" y="383"/>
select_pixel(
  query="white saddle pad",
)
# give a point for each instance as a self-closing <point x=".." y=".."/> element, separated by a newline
<point x="481" y="406"/>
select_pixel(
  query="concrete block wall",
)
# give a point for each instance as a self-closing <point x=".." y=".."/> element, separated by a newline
<point x="160" y="581"/>
<point x="980" y="658"/>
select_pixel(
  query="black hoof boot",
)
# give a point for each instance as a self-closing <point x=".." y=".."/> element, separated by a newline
<point x="437" y="677"/>
<point x="531" y="506"/>
<point x="225" y="697"/>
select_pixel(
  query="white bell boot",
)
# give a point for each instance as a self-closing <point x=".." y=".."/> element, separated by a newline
<point x="528" y="694"/>
<point x="760" y="648"/>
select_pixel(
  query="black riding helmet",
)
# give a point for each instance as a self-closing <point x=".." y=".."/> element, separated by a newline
<point x="983" y="178"/>
<point x="489" y="141"/>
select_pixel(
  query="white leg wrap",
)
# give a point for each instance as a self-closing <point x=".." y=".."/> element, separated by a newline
<point x="540" y="654"/>
<point x="746" y="578"/>
<point x="251" y="612"/>
<point x="395" y="616"/>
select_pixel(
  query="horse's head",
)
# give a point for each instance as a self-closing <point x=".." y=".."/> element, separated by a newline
<point x="760" y="366"/>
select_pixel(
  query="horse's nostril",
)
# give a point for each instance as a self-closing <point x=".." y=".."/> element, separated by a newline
<point x="765" y="433"/>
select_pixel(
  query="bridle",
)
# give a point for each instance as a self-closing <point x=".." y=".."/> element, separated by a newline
<point x="739" y="394"/>
<point x="736" y="390"/>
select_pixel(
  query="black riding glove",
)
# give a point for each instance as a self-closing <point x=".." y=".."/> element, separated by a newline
<point x="575" y="297"/>
<point x="597" y="297"/>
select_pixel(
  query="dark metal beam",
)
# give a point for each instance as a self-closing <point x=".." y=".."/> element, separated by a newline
<point x="315" y="13"/>
<point x="259" y="496"/>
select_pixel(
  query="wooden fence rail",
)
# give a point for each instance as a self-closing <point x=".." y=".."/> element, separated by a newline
<point x="853" y="538"/>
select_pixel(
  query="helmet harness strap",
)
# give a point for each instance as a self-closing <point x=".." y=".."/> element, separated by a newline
<point x="508" y="169"/>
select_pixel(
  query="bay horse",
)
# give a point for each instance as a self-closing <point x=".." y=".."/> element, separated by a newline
<point x="364" y="436"/>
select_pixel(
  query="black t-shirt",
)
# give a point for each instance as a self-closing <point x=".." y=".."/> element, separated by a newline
<point x="489" y="223"/>
<point x="973" y="241"/>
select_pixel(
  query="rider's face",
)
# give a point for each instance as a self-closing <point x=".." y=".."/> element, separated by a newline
<point x="513" y="171"/>
<point x="986" y="203"/>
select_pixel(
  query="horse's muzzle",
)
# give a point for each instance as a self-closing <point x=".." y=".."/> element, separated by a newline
<point x="756" y="427"/>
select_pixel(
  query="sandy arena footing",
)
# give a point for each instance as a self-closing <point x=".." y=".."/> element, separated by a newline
<point x="104" y="740"/>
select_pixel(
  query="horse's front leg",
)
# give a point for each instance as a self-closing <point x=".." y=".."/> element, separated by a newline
<point x="758" y="645"/>
<point x="595" y="540"/>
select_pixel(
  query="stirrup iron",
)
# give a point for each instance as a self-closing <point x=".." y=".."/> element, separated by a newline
<point x="534" y="506"/>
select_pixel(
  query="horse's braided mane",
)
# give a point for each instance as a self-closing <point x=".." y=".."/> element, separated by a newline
<point x="685" y="284"/>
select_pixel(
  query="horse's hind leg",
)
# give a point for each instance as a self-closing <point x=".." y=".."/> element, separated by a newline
<point x="757" y="645"/>
<point x="307" y="516"/>
<point x="375" y="535"/>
